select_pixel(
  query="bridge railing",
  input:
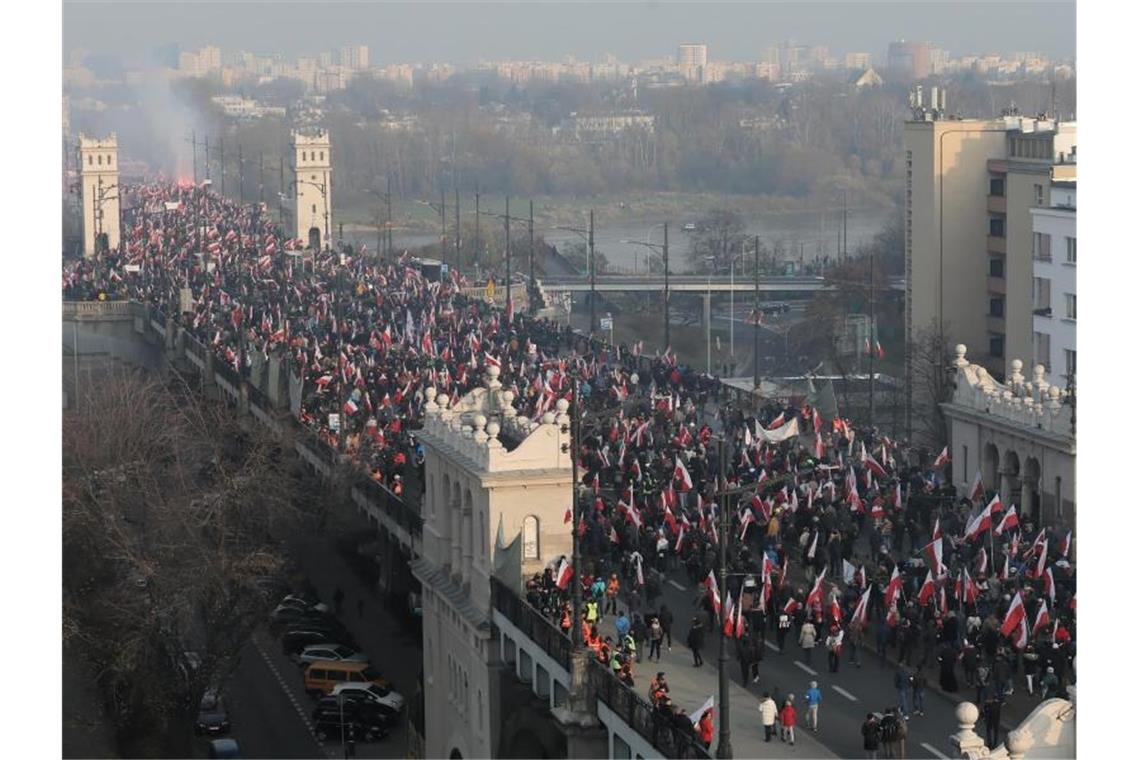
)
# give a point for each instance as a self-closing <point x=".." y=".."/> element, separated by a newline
<point x="404" y="515"/>
<point x="80" y="309"/>
<point x="532" y="623"/>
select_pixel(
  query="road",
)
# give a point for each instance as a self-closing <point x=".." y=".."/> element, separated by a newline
<point x="847" y="695"/>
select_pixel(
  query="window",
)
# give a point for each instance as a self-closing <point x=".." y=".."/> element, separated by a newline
<point x="997" y="186"/>
<point x="997" y="307"/>
<point x="304" y="156"/>
<point x="1070" y="250"/>
<point x="1042" y="296"/>
<point x="997" y="266"/>
<point x="1041" y="350"/>
<point x="90" y="160"/>
<point x="314" y="208"/>
<point x="1070" y="306"/>
<point x="1070" y="363"/>
<point x="997" y="226"/>
<point x="99" y="159"/>
<point x="1042" y="246"/>
<point x="1038" y="195"/>
<point x="997" y="345"/>
<point x="109" y="159"/>
<point x="530" y="537"/>
<point x="322" y="155"/>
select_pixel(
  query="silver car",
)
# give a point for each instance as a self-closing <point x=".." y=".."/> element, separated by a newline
<point x="329" y="652"/>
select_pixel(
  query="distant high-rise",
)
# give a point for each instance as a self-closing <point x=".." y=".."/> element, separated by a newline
<point x="692" y="58"/>
<point x="210" y="59"/>
<point x="354" y="57"/>
<point x="907" y="61"/>
<point x="860" y="61"/>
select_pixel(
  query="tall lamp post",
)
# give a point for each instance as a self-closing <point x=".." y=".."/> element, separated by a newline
<point x="293" y="183"/>
<point x="386" y="197"/>
<point x="507" y="219"/>
<point x="441" y="209"/>
<point x="663" y="249"/>
<point x="587" y="234"/>
<point x="97" y="202"/>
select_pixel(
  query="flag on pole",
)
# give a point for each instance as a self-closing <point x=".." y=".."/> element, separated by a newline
<point x="1064" y="547"/>
<point x="640" y="576"/>
<point x="937" y="530"/>
<point x="978" y="488"/>
<point x="1009" y="520"/>
<point x="941" y="460"/>
<point x="1042" y="618"/>
<point x="695" y="716"/>
<point x="982" y="562"/>
<point x="859" y="616"/>
<point x="1014" y="615"/>
<point x="816" y="593"/>
<point x="1050" y="589"/>
<point x="681" y="474"/>
<point x="978" y="524"/>
<point x="564" y="574"/>
<point x="933" y="554"/>
<point x="927" y="590"/>
<point x="894" y="586"/>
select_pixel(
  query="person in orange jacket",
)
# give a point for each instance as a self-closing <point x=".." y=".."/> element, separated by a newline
<point x="613" y="585"/>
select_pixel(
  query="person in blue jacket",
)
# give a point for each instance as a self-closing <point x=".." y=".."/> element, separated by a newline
<point x="813" y="698"/>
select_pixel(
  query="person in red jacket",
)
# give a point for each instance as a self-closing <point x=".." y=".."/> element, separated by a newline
<point x="788" y="721"/>
<point x="705" y="727"/>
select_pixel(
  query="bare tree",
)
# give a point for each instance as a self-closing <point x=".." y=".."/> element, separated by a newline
<point x="717" y="237"/>
<point x="931" y="382"/>
<point x="172" y="518"/>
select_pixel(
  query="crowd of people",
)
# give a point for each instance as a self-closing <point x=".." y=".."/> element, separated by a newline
<point x="840" y="536"/>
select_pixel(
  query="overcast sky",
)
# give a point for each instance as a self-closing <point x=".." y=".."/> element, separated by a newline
<point x="463" y="32"/>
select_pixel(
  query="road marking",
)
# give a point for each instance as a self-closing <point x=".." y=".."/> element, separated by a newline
<point x="676" y="585"/>
<point x="290" y="695"/>
<point x="935" y="752"/>
<point x="844" y="692"/>
<point x="805" y="668"/>
<point x="771" y="646"/>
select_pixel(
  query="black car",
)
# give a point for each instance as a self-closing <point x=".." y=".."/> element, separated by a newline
<point x="283" y="617"/>
<point x="327" y="725"/>
<point x="331" y="627"/>
<point x="213" y="718"/>
<point x="356" y="707"/>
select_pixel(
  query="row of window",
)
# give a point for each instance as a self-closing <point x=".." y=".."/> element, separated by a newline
<point x="1042" y="354"/>
<point x="96" y="159"/>
<point x="306" y="154"/>
<point x="1043" y="299"/>
<point x="1043" y="247"/>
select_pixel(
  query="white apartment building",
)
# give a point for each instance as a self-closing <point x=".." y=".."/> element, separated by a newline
<point x="693" y="61"/>
<point x="1055" y="284"/>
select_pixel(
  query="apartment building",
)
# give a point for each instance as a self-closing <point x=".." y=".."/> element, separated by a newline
<point x="1055" y="284"/>
<point x="692" y="60"/>
<point x="969" y="188"/>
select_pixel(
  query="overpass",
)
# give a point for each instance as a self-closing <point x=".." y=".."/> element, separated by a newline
<point x="691" y="283"/>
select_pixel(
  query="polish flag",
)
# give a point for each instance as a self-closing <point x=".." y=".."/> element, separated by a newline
<point x="897" y="496"/>
<point x="811" y="549"/>
<point x="640" y="576"/>
<point x="791" y="606"/>
<point x="740" y="620"/>
<point x="350" y="407"/>
<point x="1040" y="569"/>
<point x="964" y="588"/>
<point x="944" y="457"/>
<point x="926" y="591"/>
<point x="1009" y="520"/>
<point x="1042" y="618"/>
<point x="816" y="593"/>
<point x="776" y="423"/>
<point x="816" y="421"/>
<point x="978" y="525"/>
<point x="729" y="613"/>
<point x="714" y="595"/>
<point x="1064" y="547"/>
<point x="942" y="605"/>
<point x="565" y="572"/>
<point x="818" y="446"/>
<point x="744" y="523"/>
<point x="680" y="539"/>
<point x="834" y="612"/>
<point x="978" y="488"/>
<point x="784" y="572"/>
<point x="982" y="563"/>
<point x="1004" y="574"/>
<point x="894" y="586"/>
<point x="1050" y="589"/>
<point x="859" y="616"/>
<point x="937" y="530"/>
<point x="995" y="506"/>
<point x="1014" y="615"/>
<point x="1022" y="639"/>
<point x="873" y="465"/>
<point x="681" y="473"/>
<point x="877" y="508"/>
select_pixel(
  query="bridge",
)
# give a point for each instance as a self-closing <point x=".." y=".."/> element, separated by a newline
<point x="691" y="283"/>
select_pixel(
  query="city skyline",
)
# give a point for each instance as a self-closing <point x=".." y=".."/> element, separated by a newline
<point x="465" y="33"/>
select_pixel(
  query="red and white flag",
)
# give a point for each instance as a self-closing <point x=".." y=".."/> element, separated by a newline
<point x="1042" y="618"/>
<point x="873" y="466"/>
<point x="1064" y="547"/>
<point x="933" y="554"/>
<point x="816" y="593"/>
<point x="859" y="616"/>
<point x="791" y="606"/>
<point x="927" y="590"/>
<point x="995" y="506"/>
<point x="640" y="575"/>
<point x="894" y="586"/>
<point x="965" y="589"/>
<point x="681" y="474"/>
<point x="1022" y="639"/>
<point x="1004" y="574"/>
<point x="1014" y="615"/>
<point x="729" y="620"/>
<point x="740" y="618"/>
<point x="978" y="524"/>
<point x="1039" y="571"/>
<point x="937" y="530"/>
<point x="565" y="572"/>
<point x="818" y="446"/>
<point x="944" y="457"/>
<point x="1050" y="589"/>
<point x="978" y="488"/>
<point x="1008" y="521"/>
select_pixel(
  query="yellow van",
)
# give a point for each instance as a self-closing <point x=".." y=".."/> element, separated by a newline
<point x="322" y="675"/>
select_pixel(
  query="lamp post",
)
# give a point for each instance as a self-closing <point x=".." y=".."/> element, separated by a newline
<point x="441" y="208"/>
<point x="587" y="234"/>
<point x="756" y="316"/>
<point x="386" y="197"/>
<point x="576" y="558"/>
<point x="507" y="219"/>
<point x="97" y="202"/>
<point x="293" y="183"/>
<point x="663" y="249"/>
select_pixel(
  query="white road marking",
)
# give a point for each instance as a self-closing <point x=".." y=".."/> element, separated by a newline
<point x="676" y="585"/>
<point x="289" y="694"/>
<point x="805" y="668"/>
<point x="844" y="692"/>
<point x="771" y="646"/>
<point x="935" y="752"/>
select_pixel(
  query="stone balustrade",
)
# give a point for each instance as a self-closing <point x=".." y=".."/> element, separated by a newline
<point x="1021" y="401"/>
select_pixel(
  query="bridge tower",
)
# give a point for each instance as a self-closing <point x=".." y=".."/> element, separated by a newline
<point x="310" y="162"/>
<point x="99" y="193"/>
<point x="496" y="489"/>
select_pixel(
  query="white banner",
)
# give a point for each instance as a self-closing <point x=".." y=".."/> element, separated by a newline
<point x="789" y="429"/>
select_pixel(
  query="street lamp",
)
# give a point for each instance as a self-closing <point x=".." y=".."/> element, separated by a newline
<point x="591" y="268"/>
<point x="663" y="249"/>
<point x="386" y="197"/>
<point x="507" y="218"/>
<point x="97" y="207"/>
<point x="324" y="197"/>
<point x="441" y="209"/>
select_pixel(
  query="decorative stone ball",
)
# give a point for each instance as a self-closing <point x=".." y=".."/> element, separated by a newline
<point x="1016" y="365"/>
<point x="494" y="371"/>
<point x="960" y="351"/>
<point x="492" y="428"/>
<point x="967" y="714"/>
<point x="430" y="393"/>
<point x="480" y="421"/>
<point x="442" y="400"/>
<point x="548" y="418"/>
<point x="562" y="405"/>
<point x="508" y="398"/>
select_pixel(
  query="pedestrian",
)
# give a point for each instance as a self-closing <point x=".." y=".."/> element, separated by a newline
<point x="807" y="640"/>
<point x="834" y="645"/>
<point x="991" y="711"/>
<point x="640" y="633"/>
<point x="665" y="615"/>
<point x="783" y="625"/>
<point x="812" y="699"/>
<point x="892" y="734"/>
<point x="1050" y="684"/>
<point x="768" y="714"/>
<point x="870" y="731"/>
<point x="918" y="691"/>
<point x="1029" y="662"/>
<point x="788" y="721"/>
<point x="705" y="728"/>
<point x="902" y="687"/>
<point x="855" y="639"/>
<point x="696" y="640"/>
<point x="656" y="634"/>
<point x="612" y="588"/>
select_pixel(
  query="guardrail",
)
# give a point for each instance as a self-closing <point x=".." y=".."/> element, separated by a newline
<point x="532" y="623"/>
<point x="80" y="309"/>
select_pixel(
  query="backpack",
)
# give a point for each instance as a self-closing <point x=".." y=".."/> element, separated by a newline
<point x="889" y="729"/>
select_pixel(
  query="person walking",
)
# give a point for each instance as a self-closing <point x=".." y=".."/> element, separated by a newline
<point x="613" y="586"/>
<point x="902" y="686"/>
<point x="991" y="711"/>
<point x="1029" y="663"/>
<point x="892" y="733"/>
<point x="812" y="699"/>
<point x="696" y="640"/>
<point x="768" y="714"/>
<point x="656" y="635"/>
<point x="788" y="721"/>
<point x="834" y="645"/>
<point x="870" y="731"/>
<point x="918" y="692"/>
<point x="783" y="625"/>
<point x="855" y="638"/>
<point x="807" y="640"/>
<point x="666" y="618"/>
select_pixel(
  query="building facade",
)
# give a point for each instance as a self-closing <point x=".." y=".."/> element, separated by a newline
<point x="692" y="61"/>
<point x="908" y="61"/>
<point x="311" y="166"/>
<point x="496" y="488"/>
<point x="1055" y="284"/>
<point x="1021" y="435"/>
<point x="99" y="193"/>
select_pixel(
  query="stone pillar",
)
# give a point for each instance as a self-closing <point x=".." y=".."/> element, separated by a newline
<point x="966" y="741"/>
<point x="585" y="736"/>
<point x="456" y="536"/>
<point x="1026" y="503"/>
<point x="1009" y="485"/>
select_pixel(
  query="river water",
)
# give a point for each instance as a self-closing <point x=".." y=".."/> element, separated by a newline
<point x="814" y="230"/>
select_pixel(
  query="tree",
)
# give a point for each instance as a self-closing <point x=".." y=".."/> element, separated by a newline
<point x="717" y="237"/>
<point x="578" y="254"/>
<point x="173" y="516"/>
<point x="930" y="381"/>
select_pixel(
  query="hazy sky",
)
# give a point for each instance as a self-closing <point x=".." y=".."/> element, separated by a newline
<point x="465" y="31"/>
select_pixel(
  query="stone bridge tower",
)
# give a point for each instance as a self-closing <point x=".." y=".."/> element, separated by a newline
<point x="496" y="488"/>
<point x="310" y="162"/>
<point x="99" y="193"/>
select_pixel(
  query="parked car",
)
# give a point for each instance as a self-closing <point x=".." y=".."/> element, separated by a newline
<point x="225" y="748"/>
<point x="367" y="720"/>
<point x="322" y="677"/>
<point x="294" y="640"/>
<point x="213" y="718"/>
<point x="331" y="626"/>
<point x="283" y="616"/>
<point x="327" y="727"/>
<point x="302" y="602"/>
<point x="330" y="653"/>
<point x="390" y="702"/>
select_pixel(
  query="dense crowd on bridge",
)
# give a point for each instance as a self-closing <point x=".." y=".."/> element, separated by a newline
<point x="837" y="536"/>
